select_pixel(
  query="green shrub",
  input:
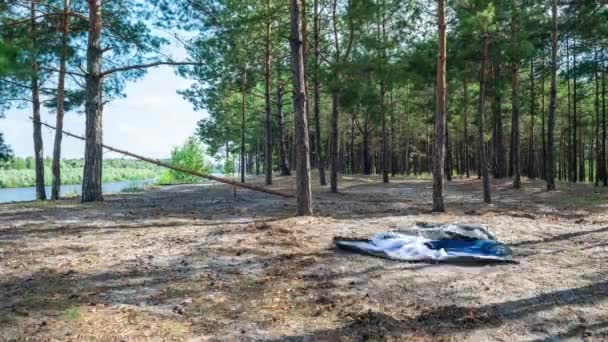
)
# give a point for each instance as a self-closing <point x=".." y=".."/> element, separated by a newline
<point x="190" y="156"/>
<point x="229" y="167"/>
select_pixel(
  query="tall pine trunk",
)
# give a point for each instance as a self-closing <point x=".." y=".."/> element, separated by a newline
<point x="550" y="169"/>
<point x="317" y="96"/>
<point x="333" y="143"/>
<point x="465" y="91"/>
<point x="267" y="129"/>
<point x="384" y="153"/>
<point x="243" y="108"/>
<point x="598" y="148"/>
<point x="498" y="143"/>
<point x="282" y="139"/>
<point x="543" y="171"/>
<point x="38" y="150"/>
<point x="93" y="155"/>
<point x="440" y="116"/>
<point x="56" y="167"/>
<point x="483" y="163"/>
<point x="569" y="126"/>
<point x="531" y="170"/>
<point x="604" y="166"/>
<point x="351" y="147"/>
<point x="574" y="159"/>
<point x="515" y="101"/>
<point x="303" y="188"/>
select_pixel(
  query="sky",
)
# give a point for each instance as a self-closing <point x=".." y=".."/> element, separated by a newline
<point x="150" y="121"/>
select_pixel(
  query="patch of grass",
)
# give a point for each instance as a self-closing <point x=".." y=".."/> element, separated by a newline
<point x="71" y="195"/>
<point x="7" y="318"/>
<point x="71" y="314"/>
<point x="133" y="188"/>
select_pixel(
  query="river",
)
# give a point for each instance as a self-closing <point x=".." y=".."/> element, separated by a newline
<point x="29" y="193"/>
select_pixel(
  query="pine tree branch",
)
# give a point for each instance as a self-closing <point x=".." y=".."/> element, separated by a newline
<point x="67" y="72"/>
<point x="145" y="66"/>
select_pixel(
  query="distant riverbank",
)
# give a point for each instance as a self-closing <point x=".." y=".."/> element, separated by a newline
<point x="20" y="172"/>
<point x="69" y="176"/>
<point x="23" y="194"/>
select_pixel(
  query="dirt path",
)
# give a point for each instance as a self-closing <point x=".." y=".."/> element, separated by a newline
<point x="193" y="263"/>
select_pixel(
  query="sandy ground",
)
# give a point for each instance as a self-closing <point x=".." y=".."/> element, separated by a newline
<point x="193" y="263"/>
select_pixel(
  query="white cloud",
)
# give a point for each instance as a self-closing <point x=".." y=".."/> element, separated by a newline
<point x="149" y="121"/>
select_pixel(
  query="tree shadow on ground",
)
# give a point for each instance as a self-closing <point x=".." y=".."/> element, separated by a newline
<point x="446" y="320"/>
<point x="561" y="237"/>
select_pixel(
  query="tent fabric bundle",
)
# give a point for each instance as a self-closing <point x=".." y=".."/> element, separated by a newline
<point x="432" y="242"/>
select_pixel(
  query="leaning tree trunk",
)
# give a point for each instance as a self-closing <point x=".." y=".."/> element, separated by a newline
<point x="303" y="188"/>
<point x="550" y="166"/>
<point x="317" y="97"/>
<point x="267" y="130"/>
<point x="440" y="117"/>
<point x="483" y="162"/>
<point x="515" y="103"/>
<point x="93" y="155"/>
<point x="56" y="167"/>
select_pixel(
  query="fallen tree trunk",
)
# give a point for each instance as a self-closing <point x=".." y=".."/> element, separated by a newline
<point x="180" y="169"/>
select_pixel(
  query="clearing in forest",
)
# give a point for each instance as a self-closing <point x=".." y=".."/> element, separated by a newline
<point x="192" y="262"/>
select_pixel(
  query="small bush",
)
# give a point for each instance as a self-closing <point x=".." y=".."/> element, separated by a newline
<point x="190" y="156"/>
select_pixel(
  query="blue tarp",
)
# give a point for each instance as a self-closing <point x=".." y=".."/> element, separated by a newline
<point x="432" y="242"/>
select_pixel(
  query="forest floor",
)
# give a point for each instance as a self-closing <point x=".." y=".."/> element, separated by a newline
<point x="191" y="262"/>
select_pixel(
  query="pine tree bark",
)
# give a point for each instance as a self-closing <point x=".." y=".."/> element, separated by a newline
<point x="542" y="129"/>
<point x="303" y="187"/>
<point x="531" y="170"/>
<point x="351" y="145"/>
<point x="574" y="159"/>
<point x="93" y="156"/>
<point x="282" y="139"/>
<point x="37" y="135"/>
<point x="384" y="152"/>
<point x="604" y="166"/>
<point x="384" y="163"/>
<point x="394" y="163"/>
<point x="267" y="127"/>
<point x="317" y="95"/>
<point x="243" y="109"/>
<point x="498" y="139"/>
<point x="56" y="166"/>
<point x="335" y="93"/>
<point x="333" y="141"/>
<point x="483" y="163"/>
<point x="515" y="101"/>
<point x="333" y="144"/>
<point x="598" y="148"/>
<point x="448" y="153"/>
<point x="550" y="168"/>
<point x="466" y="127"/>
<point x="440" y="116"/>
